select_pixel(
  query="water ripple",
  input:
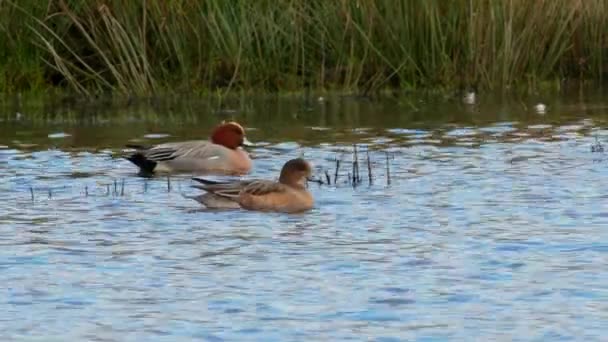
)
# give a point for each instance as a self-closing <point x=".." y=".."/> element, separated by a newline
<point x="485" y="232"/>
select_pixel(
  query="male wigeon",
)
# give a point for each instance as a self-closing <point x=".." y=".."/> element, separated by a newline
<point x="288" y="195"/>
<point x="222" y="154"/>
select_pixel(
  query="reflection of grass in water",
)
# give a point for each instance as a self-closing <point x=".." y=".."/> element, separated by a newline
<point x="144" y="47"/>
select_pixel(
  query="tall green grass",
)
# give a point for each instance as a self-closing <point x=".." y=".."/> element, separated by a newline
<point x="152" y="46"/>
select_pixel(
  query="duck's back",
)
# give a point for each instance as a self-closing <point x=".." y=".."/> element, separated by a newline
<point x="202" y="157"/>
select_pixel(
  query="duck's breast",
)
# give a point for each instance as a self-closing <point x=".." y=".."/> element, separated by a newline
<point x="289" y="201"/>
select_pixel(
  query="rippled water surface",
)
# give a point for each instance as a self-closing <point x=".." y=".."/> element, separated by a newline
<point x="494" y="225"/>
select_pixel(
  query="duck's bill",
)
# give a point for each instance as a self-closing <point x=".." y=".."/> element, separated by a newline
<point x="247" y="143"/>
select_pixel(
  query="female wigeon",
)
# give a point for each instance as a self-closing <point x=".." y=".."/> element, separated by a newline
<point x="222" y="154"/>
<point x="288" y="195"/>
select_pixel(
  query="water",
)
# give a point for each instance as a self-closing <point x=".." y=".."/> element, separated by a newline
<point x="493" y="226"/>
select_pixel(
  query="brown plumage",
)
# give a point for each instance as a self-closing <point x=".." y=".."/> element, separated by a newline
<point x="288" y="195"/>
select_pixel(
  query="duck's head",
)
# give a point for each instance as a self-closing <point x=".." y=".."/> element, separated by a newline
<point x="296" y="172"/>
<point x="230" y="134"/>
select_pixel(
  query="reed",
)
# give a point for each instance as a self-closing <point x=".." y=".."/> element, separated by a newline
<point x="597" y="147"/>
<point x="388" y="170"/>
<point x="353" y="176"/>
<point x="356" y="179"/>
<point x="337" y="171"/>
<point x="153" y="46"/>
<point x="370" y="178"/>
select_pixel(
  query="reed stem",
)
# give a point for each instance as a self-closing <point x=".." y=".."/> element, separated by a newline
<point x="369" y="169"/>
<point x="388" y="170"/>
<point x="337" y="171"/>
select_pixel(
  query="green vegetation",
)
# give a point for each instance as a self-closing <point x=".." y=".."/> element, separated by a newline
<point x="181" y="46"/>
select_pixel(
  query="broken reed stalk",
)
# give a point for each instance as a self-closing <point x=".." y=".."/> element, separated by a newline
<point x="356" y="178"/>
<point x="369" y="169"/>
<point x="86" y="191"/>
<point x="168" y="184"/>
<point x="115" y="187"/>
<point x="122" y="187"/>
<point x="388" y="171"/>
<point x="597" y="147"/>
<point x="32" y="193"/>
<point x="337" y="170"/>
<point x="358" y="165"/>
<point x="327" y="177"/>
<point x="50" y="193"/>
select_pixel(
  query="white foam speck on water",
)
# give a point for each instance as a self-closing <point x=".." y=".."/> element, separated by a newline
<point x="156" y="135"/>
<point x="469" y="98"/>
<point x="58" y="135"/>
<point x="540" y="108"/>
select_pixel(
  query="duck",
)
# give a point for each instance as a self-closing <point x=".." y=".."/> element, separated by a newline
<point x="222" y="154"/>
<point x="287" y="195"/>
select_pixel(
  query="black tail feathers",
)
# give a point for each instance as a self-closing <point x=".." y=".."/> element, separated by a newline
<point x="146" y="165"/>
